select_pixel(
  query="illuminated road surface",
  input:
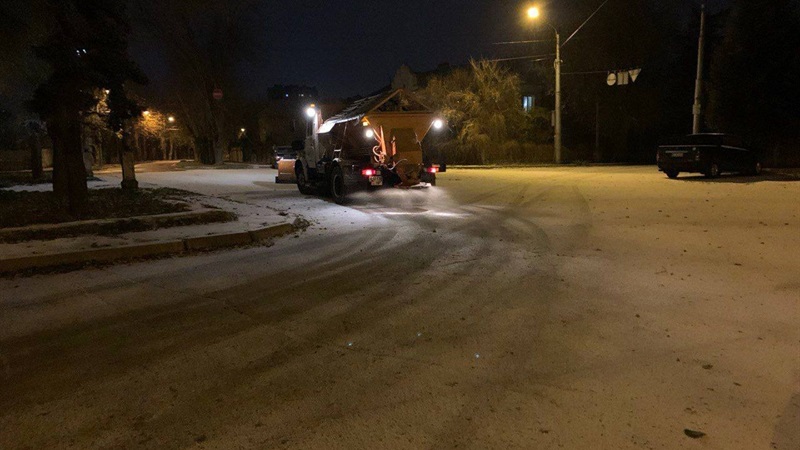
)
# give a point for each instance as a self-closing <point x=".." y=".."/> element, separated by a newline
<point x="537" y="308"/>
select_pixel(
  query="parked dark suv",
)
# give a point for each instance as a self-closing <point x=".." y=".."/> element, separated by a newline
<point x="709" y="154"/>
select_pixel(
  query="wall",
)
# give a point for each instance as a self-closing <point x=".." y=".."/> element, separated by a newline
<point x="15" y="160"/>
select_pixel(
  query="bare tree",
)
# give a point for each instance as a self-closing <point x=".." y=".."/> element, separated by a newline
<point x="204" y="42"/>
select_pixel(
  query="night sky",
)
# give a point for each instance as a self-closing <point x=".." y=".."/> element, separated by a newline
<point x="346" y="47"/>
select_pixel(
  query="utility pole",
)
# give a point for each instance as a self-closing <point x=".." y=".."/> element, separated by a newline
<point x="534" y="13"/>
<point x="697" y="110"/>
<point x="597" y="155"/>
<point x="557" y="137"/>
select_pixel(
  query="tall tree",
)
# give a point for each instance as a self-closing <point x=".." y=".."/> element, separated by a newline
<point x="204" y="44"/>
<point x="20" y="73"/>
<point x="482" y="104"/>
<point x="754" y="75"/>
<point x="87" y="52"/>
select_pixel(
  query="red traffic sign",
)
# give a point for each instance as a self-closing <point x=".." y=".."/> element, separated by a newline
<point x="217" y="94"/>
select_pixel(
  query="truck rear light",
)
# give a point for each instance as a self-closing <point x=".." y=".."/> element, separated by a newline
<point x="432" y="169"/>
<point x="369" y="172"/>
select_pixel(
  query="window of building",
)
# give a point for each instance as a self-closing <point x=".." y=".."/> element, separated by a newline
<point x="528" y="103"/>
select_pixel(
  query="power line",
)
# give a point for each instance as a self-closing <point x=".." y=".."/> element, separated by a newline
<point x="534" y="58"/>
<point x="584" y="23"/>
<point x="522" y="42"/>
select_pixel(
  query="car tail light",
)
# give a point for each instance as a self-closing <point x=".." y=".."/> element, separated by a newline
<point x="432" y="169"/>
<point x="369" y="172"/>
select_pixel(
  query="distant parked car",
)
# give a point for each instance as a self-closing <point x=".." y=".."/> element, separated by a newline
<point x="710" y="154"/>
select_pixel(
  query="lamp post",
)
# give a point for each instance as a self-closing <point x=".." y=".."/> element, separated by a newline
<point x="535" y="14"/>
<point x="697" y="108"/>
<point x="170" y="127"/>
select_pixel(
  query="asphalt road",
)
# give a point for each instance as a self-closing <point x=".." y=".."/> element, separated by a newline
<point x="511" y="308"/>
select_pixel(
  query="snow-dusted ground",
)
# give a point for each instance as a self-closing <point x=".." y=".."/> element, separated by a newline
<point x="220" y="187"/>
<point x="532" y="308"/>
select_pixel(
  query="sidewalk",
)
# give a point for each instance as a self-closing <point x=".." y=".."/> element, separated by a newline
<point x="254" y="224"/>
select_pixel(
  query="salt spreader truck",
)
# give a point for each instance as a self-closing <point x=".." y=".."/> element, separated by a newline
<point x="375" y="142"/>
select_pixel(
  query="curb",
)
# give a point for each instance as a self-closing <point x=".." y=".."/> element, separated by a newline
<point x="126" y="224"/>
<point x="183" y="246"/>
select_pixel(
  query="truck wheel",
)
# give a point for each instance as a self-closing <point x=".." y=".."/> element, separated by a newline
<point x="672" y="174"/>
<point x="302" y="184"/>
<point x="713" y="171"/>
<point x="337" y="187"/>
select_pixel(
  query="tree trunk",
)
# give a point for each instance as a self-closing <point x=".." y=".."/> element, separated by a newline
<point x="101" y="157"/>
<point x="163" y="147"/>
<point x="127" y="159"/>
<point x="136" y="147"/>
<point x="219" y="151"/>
<point x="69" y="173"/>
<point x="204" y="150"/>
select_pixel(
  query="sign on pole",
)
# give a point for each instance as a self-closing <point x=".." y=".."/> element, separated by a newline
<point x="623" y="77"/>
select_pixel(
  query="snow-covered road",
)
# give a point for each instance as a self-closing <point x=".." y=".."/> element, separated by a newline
<point x="604" y="307"/>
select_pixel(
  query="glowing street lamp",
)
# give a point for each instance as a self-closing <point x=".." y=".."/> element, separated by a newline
<point x="311" y="112"/>
<point x="438" y="124"/>
<point x="535" y="14"/>
<point x="171" y="119"/>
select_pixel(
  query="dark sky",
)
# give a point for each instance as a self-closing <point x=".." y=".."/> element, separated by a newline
<point x="349" y="47"/>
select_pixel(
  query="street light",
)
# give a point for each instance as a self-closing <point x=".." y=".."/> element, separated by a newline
<point x="534" y="14"/>
<point x="170" y="120"/>
<point x="311" y="112"/>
